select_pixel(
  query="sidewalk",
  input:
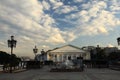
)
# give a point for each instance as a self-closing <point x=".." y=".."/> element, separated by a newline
<point x="19" y="70"/>
<point x="15" y="71"/>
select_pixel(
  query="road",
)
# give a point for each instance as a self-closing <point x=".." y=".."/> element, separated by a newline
<point x="44" y="74"/>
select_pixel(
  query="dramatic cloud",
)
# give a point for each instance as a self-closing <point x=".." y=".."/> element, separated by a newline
<point x="50" y="22"/>
<point x="28" y="22"/>
<point x="95" y="20"/>
<point x="27" y="18"/>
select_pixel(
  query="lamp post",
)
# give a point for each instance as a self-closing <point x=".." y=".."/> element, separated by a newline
<point x="43" y="54"/>
<point x="35" y="50"/>
<point x="118" y="41"/>
<point x="11" y="44"/>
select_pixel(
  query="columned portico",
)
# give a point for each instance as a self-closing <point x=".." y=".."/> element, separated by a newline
<point x="61" y="54"/>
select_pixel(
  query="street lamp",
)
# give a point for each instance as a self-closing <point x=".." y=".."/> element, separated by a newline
<point x="35" y="50"/>
<point x="118" y="40"/>
<point x="11" y="44"/>
<point x="43" y="54"/>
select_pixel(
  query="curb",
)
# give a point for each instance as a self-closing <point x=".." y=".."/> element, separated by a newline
<point x="17" y="71"/>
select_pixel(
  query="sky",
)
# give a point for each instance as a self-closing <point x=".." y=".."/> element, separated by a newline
<point x="55" y="23"/>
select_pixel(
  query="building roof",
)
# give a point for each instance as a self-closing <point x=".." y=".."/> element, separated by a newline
<point x="68" y="48"/>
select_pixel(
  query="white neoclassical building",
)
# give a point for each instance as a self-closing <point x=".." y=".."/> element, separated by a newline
<point x="62" y="53"/>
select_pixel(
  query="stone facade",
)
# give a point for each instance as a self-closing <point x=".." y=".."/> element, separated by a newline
<point x="62" y="53"/>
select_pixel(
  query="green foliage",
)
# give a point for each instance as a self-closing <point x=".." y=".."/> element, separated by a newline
<point x="114" y="56"/>
<point x="99" y="54"/>
<point x="6" y="58"/>
<point x="14" y="60"/>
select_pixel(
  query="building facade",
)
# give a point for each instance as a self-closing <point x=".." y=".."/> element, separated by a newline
<point x="62" y="53"/>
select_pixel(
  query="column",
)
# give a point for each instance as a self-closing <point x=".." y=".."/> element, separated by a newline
<point x="60" y="58"/>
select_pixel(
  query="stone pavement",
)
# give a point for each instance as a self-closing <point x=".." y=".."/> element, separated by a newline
<point x="44" y="74"/>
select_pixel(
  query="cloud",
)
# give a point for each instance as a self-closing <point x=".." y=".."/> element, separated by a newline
<point x="66" y="9"/>
<point x="32" y="23"/>
<point x="26" y="20"/>
<point x="2" y="43"/>
<point x="26" y="38"/>
<point x="46" y="5"/>
<point x="45" y="46"/>
<point x="110" y="45"/>
<point x="95" y="20"/>
<point x="55" y="38"/>
<point x="56" y="4"/>
<point x="114" y="5"/>
<point x="76" y="1"/>
<point x="86" y="5"/>
<point x="69" y="36"/>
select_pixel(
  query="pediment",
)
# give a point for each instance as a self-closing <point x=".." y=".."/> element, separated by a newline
<point x="68" y="48"/>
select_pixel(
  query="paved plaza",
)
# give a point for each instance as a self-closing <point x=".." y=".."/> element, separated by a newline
<point x="44" y="74"/>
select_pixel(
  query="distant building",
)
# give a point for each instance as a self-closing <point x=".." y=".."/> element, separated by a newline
<point x="42" y="56"/>
<point x="25" y="58"/>
<point x="88" y="48"/>
<point x="101" y="50"/>
<point x="109" y="50"/>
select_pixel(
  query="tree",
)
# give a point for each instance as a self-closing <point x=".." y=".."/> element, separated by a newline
<point x="15" y="60"/>
<point x="4" y="58"/>
<point x="98" y="54"/>
<point x="101" y="54"/>
<point x="114" y="56"/>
